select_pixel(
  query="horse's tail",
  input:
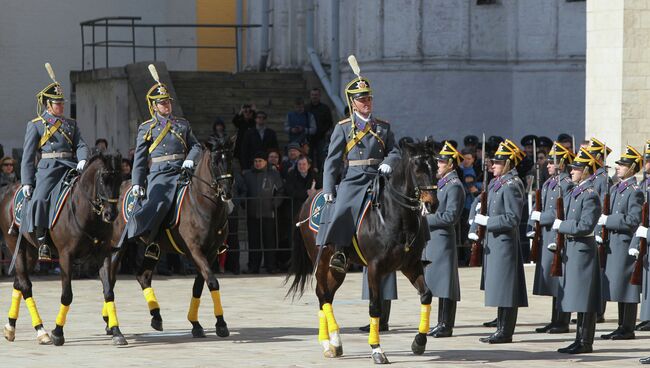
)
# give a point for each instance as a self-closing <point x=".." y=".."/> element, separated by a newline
<point x="301" y="265"/>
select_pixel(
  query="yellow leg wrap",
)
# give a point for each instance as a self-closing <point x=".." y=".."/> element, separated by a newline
<point x="425" y="312"/>
<point x="16" y="295"/>
<point x="373" y="337"/>
<point x="33" y="311"/>
<point x="104" y="311"/>
<point x="63" y="313"/>
<point x="323" y="334"/>
<point x="193" y="313"/>
<point x="216" y="300"/>
<point x="112" y="315"/>
<point x="329" y="315"/>
<point x="150" y="297"/>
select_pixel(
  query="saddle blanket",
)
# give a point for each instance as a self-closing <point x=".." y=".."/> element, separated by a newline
<point x="318" y="205"/>
<point x="18" y="202"/>
<point x="128" y="206"/>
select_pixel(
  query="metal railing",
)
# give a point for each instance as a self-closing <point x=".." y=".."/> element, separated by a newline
<point x="108" y="23"/>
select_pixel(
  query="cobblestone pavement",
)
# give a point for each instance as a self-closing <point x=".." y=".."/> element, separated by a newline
<point x="268" y="330"/>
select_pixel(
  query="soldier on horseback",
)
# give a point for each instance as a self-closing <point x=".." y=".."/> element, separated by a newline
<point x="368" y="146"/>
<point x="58" y="141"/>
<point x="170" y="144"/>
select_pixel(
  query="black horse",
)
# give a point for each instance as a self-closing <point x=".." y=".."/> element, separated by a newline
<point x="200" y="234"/>
<point x="392" y="237"/>
<point x="82" y="232"/>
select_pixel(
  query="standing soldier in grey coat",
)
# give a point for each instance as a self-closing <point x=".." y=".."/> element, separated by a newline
<point x="505" y="283"/>
<point x="642" y="232"/>
<point x="441" y="272"/>
<point x="368" y="145"/>
<point x="170" y="144"/>
<point x="558" y="184"/>
<point x="624" y="219"/>
<point x="580" y="284"/>
<point x="61" y="148"/>
<point x="601" y="182"/>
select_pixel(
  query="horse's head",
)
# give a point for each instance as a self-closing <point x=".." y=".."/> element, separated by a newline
<point x="420" y="166"/>
<point x="221" y="152"/>
<point x="105" y="172"/>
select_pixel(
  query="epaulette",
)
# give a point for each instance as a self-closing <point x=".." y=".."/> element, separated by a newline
<point x="567" y="179"/>
<point x="38" y="118"/>
<point x="379" y="121"/>
<point x="147" y="122"/>
<point x="590" y="190"/>
<point x="180" y="119"/>
<point x="346" y="120"/>
<point x="454" y="181"/>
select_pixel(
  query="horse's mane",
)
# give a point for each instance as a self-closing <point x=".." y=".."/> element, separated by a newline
<point x="113" y="160"/>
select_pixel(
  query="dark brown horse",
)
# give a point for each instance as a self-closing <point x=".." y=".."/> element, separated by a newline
<point x="392" y="237"/>
<point x="82" y="232"/>
<point x="200" y="234"/>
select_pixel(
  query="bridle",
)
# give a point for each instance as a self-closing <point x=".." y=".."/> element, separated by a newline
<point x="101" y="200"/>
<point x="216" y="184"/>
<point x="413" y="203"/>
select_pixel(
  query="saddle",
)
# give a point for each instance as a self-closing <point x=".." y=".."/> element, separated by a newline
<point x="317" y="207"/>
<point x="18" y="202"/>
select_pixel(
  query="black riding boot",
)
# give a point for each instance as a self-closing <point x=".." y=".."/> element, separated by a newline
<point x="44" y="252"/>
<point x="586" y="341"/>
<point x="561" y="323"/>
<point x="508" y="323"/>
<point x="619" y="329"/>
<point x="554" y="311"/>
<point x="499" y="326"/>
<point x="492" y="323"/>
<point x="578" y="335"/>
<point x="627" y="325"/>
<point x="383" y="318"/>
<point x="339" y="261"/>
<point x="447" y="320"/>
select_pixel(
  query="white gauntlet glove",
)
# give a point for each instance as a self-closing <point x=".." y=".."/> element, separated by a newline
<point x="535" y="215"/>
<point x="329" y="197"/>
<point x="385" y="169"/>
<point x="188" y="164"/>
<point x="481" y="219"/>
<point x="472" y="236"/>
<point x="641" y="232"/>
<point x="602" y="220"/>
<point x="633" y="252"/>
<point x="27" y="190"/>
<point x="80" y="165"/>
<point x="137" y="191"/>
<point x="552" y="247"/>
<point x="556" y="224"/>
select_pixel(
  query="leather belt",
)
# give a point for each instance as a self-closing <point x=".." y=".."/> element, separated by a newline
<point x="57" y="155"/>
<point x="174" y="157"/>
<point x="368" y="162"/>
<point x="569" y="237"/>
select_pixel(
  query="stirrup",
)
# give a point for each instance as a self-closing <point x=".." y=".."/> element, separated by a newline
<point x="44" y="253"/>
<point x="152" y="251"/>
<point x="337" y="264"/>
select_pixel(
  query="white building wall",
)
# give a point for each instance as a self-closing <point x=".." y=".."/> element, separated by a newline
<point x="449" y="67"/>
<point x="33" y="32"/>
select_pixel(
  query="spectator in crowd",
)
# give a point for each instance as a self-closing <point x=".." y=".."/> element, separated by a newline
<point x="257" y="138"/>
<point x="219" y="130"/>
<point x="101" y="145"/>
<point x="293" y="153"/>
<point x="300" y="124"/>
<point x="324" y="122"/>
<point x="243" y="121"/>
<point x="275" y="159"/>
<point x="232" y="257"/>
<point x="567" y="141"/>
<point x="263" y="185"/>
<point x="471" y="143"/>
<point x="8" y="173"/>
<point x="131" y="153"/>
<point x="126" y="169"/>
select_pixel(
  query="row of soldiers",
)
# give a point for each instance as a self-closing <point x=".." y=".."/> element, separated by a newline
<point x="589" y="246"/>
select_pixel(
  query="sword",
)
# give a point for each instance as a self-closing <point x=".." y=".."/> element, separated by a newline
<point x="14" y="257"/>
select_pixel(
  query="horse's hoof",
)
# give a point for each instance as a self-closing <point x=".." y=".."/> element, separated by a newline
<point x="119" y="340"/>
<point x="338" y="350"/>
<point x="419" y="344"/>
<point x="330" y="352"/>
<point x="10" y="332"/>
<point x="222" y="330"/>
<point x="157" y="324"/>
<point x="43" y="338"/>
<point x="379" y="358"/>
<point x="109" y="332"/>
<point x="198" y="332"/>
<point x="57" y="340"/>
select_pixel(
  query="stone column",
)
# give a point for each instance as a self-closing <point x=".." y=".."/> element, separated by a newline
<point x="618" y="73"/>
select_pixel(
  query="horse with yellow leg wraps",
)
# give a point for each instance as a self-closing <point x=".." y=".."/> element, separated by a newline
<point x="391" y="236"/>
<point x="82" y="231"/>
<point x="202" y="227"/>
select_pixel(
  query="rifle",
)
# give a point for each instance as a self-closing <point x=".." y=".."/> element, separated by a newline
<point x="534" y="249"/>
<point x="476" y="257"/>
<point x="556" y="265"/>
<point x="604" y="233"/>
<point x="637" y="278"/>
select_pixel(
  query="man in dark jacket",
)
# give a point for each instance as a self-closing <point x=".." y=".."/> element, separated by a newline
<point x="257" y="138"/>
<point x="243" y="120"/>
<point x="323" y="116"/>
<point x="262" y="185"/>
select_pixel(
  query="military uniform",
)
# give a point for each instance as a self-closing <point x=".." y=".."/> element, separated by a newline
<point x="544" y="283"/>
<point x="644" y="315"/>
<point x="504" y="279"/>
<point x="58" y="141"/>
<point x="167" y="142"/>
<point x="365" y="144"/>
<point x="440" y="254"/>
<point x="580" y="284"/>
<point x="625" y="216"/>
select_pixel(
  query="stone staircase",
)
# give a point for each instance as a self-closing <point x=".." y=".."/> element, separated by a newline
<point x="205" y="95"/>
